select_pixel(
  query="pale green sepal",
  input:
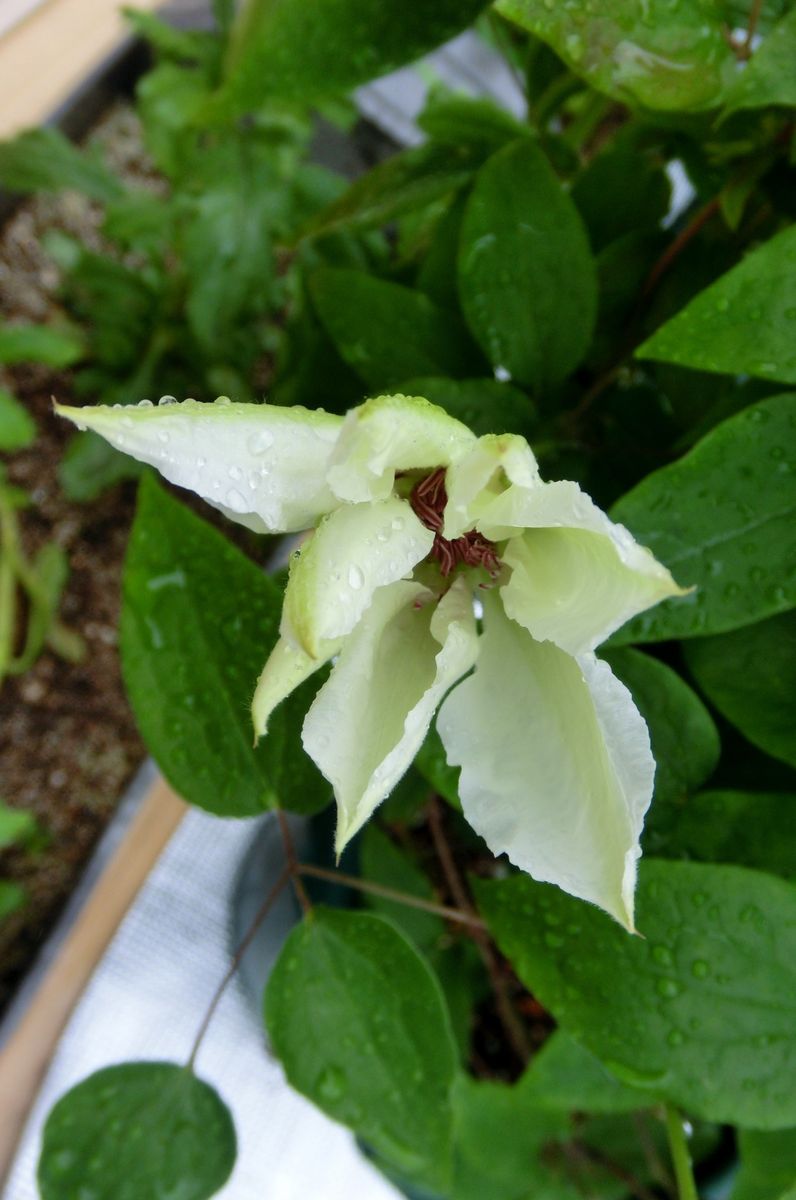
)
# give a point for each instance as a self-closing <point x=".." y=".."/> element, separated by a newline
<point x="355" y="550"/>
<point x="370" y="718"/>
<point x="262" y="465"/>
<point x="389" y="434"/>
<point x="473" y="481"/>
<point x="557" y="771"/>
<point x="286" y="669"/>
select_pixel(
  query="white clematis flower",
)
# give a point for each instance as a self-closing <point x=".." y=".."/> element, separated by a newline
<point x="414" y="518"/>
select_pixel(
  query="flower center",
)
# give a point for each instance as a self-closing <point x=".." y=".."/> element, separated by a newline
<point x="428" y="500"/>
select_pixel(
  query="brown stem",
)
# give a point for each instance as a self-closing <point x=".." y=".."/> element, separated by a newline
<point x="658" y="1170"/>
<point x="595" y="1157"/>
<point x="388" y="893"/>
<point x="676" y="247"/>
<point x="513" y="1026"/>
<point x="259" y="917"/>
<point x="292" y="862"/>
<point x="751" y="28"/>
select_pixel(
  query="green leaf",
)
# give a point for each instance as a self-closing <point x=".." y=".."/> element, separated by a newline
<point x="658" y="55"/>
<point x="382" y="861"/>
<point x="527" y="280"/>
<point x="721" y="519"/>
<point x="16" y="826"/>
<point x="685" y="741"/>
<point x="388" y="332"/>
<point x="672" y="1012"/>
<point x="12" y="898"/>
<point x="750" y="675"/>
<point x="282" y="50"/>
<point x="749" y="829"/>
<point x="90" y="466"/>
<point x="360" y="1025"/>
<point x="768" y="77"/>
<point x="486" y="405"/>
<point x="432" y="763"/>
<point x="623" y="190"/>
<point x="17" y="427"/>
<point x="768" y="1164"/>
<point x="407" y="181"/>
<point x="744" y="323"/>
<point x="459" y="120"/>
<point x="185" y="45"/>
<point x="40" y="344"/>
<point x="137" y="1129"/>
<point x="43" y="160"/>
<point x="198" y="622"/>
<point x="567" y="1077"/>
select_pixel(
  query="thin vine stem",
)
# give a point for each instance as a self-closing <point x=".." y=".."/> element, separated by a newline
<point x="681" y="1155"/>
<point x="292" y="862"/>
<point x="388" y="893"/>
<point x="259" y="917"/>
<point x="751" y="28"/>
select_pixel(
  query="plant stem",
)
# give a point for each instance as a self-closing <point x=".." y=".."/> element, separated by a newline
<point x="292" y="862"/>
<point x="751" y="28"/>
<point x="513" y="1026"/>
<point x="388" y="893"/>
<point x="676" y="247"/>
<point x="681" y="1155"/>
<point x="259" y="917"/>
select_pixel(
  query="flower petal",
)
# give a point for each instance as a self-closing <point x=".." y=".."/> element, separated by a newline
<point x="474" y="480"/>
<point x="370" y="718"/>
<point x="557" y="770"/>
<point x="286" y="669"/>
<point x="355" y="550"/>
<point x="389" y="434"/>
<point x="576" y="575"/>
<point x="261" y="465"/>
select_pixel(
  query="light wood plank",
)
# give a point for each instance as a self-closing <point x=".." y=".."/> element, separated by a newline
<point x="26" y="1056"/>
<point x="46" y="56"/>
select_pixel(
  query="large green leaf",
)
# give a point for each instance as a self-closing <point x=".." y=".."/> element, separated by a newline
<point x="40" y="344"/>
<point x="750" y="675"/>
<point x="768" y="1164"/>
<point x="656" y="54"/>
<point x="198" y="622"/>
<point x="43" y="160"/>
<point x="685" y="741"/>
<point x="388" y="332"/>
<point x="486" y="405"/>
<point x="564" y="1075"/>
<point x="744" y="323"/>
<point x="288" y="50"/>
<point x="700" y="1010"/>
<point x="721" y="519"/>
<point x="527" y="280"/>
<point x="385" y="863"/>
<point x="140" y="1129"/>
<point x="750" y="829"/>
<point x="769" y="77"/>
<point x="360" y="1025"/>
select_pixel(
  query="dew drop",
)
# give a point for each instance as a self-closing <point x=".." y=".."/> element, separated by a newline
<point x="260" y="442"/>
<point x="145" y="404"/>
<point x="331" y="1084"/>
<point x="165" y="400"/>
<point x="662" y="955"/>
<point x="675" y="1038"/>
<point x="356" y="578"/>
<point x="700" y="969"/>
<point x="668" y="988"/>
<point x="397" y="523"/>
<point x="236" y="501"/>
<point x="223" y="401"/>
<point x="235" y="473"/>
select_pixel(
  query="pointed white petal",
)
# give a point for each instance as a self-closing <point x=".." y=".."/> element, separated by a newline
<point x="370" y="718"/>
<point x="389" y="434"/>
<point x="557" y="770"/>
<point x="261" y="465"/>
<point x="287" y="667"/>
<point x="474" y="480"/>
<point x="355" y="550"/>
<point x="576" y="575"/>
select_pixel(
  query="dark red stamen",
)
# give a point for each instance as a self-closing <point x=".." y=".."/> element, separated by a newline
<point x="428" y="499"/>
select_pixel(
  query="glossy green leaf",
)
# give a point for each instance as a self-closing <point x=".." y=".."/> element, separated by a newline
<point x="721" y="519"/>
<point x="139" y="1129"/>
<point x="750" y="829"/>
<point x="565" y="1076"/>
<point x="672" y="1012"/>
<point x="388" y="332"/>
<point x="769" y="77"/>
<point x="527" y="280"/>
<point x="43" y="160"/>
<point x="685" y="741"/>
<point x="17" y="427"/>
<point x="485" y="405"/>
<point x="768" y="1164"/>
<point x="384" y="862"/>
<point x="744" y="323"/>
<point x="284" y="50"/>
<point x="658" y="55"/>
<point x="198" y="622"/>
<point x="750" y="675"/>
<point x="39" y="344"/>
<point x="460" y="120"/>
<point x="622" y="190"/>
<point x="360" y="1025"/>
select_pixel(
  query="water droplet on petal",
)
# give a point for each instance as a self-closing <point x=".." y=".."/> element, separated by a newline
<point x="260" y="442"/>
<point x="166" y="400"/>
<point x="236" y="501"/>
<point x="355" y="577"/>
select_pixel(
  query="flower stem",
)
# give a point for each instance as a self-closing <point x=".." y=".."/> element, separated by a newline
<point x="388" y="893"/>
<point x="292" y="862"/>
<point x="681" y="1155"/>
